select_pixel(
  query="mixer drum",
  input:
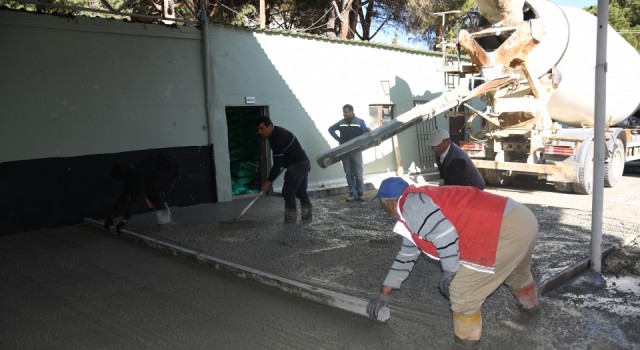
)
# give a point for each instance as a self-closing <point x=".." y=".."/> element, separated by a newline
<point x="568" y="43"/>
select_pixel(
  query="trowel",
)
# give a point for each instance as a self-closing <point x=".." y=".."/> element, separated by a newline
<point x="248" y="206"/>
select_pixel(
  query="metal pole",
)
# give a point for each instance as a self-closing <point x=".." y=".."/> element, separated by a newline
<point x="599" y="142"/>
<point x="206" y="67"/>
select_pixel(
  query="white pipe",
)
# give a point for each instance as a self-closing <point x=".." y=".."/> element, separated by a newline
<point x="600" y="108"/>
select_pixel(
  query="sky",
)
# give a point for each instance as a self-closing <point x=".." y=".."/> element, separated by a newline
<point x="576" y="3"/>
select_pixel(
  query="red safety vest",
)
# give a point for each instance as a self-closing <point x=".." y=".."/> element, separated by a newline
<point x="476" y="215"/>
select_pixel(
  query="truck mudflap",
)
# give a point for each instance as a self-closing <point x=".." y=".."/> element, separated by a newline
<point x="552" y="172"/>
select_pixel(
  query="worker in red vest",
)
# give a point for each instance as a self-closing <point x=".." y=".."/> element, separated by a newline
<point x="481" y="239"/>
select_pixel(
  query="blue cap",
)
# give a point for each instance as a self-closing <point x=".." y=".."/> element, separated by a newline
<point x="391" y="187"/>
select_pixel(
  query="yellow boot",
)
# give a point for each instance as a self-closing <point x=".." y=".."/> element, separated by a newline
<point x="467" y="329"/>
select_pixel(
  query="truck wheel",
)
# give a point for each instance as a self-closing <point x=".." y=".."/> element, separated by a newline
<point x="497" y="177"/>
<point x="614" y="169"/>
<point x="585" y="172"/>
<point x="564" y="187"/>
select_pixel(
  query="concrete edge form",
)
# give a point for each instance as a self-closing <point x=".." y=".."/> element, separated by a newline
<point x="319" y="295"/>
<point x="568" y="273"/>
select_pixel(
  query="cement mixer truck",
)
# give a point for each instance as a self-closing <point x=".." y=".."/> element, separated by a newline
<point x="536" y="64"/>
<point x="542" y="123"/>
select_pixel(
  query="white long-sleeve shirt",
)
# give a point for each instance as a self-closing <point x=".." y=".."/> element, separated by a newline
<point x="425" y="218"/>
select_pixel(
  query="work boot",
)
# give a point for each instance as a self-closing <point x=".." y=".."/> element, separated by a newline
<point x="306" y="213"/>
<point x="290" y="215"/>
<point x="352" y="198"/>
<point x="527" y="299"/>
<point x="467" y="330"/>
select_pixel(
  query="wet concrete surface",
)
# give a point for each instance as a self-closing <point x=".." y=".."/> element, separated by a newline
<point x="80" y="288"/>
<point x="349" y="247"/>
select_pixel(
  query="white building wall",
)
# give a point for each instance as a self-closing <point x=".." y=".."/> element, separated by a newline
<point x="80" y="86"/>
<point x="306" y="80"/>
<point x="86" y="86"/>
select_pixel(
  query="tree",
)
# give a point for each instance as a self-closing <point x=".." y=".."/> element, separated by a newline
<point x="347" y="19"/>
<point x="338" y="23"/>
<point x="412" y="16"/>
<point x="418" y="19"/>
<point x="624" y="17"/>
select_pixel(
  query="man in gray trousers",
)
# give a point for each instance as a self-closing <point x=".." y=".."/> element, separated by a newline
<point x="351" y="127"/>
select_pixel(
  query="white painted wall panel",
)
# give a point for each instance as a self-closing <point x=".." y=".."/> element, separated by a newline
<point x="306" y="81"/>
<point x="81" y="86"/>
<point x="88" y="86"/>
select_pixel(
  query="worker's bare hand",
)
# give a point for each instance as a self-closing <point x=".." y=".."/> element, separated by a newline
<point x="266" y="186"/>
<point x="376" y="304"/>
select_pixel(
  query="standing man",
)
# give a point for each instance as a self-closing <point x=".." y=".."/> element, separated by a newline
<point x="481" y="239"/>
<point x="147" y="181"/>
<point x="287" y="153"/>
<point x="455" y="166"/>
<point x="351" y="127"/>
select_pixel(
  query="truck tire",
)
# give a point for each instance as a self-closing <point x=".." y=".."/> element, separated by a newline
<point x="497" y="177"/>
<point x="585" y="172"/>
<point x="614" y="169"/>
<point x="563" y="187"/>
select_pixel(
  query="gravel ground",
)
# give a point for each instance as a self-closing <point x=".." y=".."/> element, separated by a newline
<point x="626" y="259"/>
<point x="623" y="261"/>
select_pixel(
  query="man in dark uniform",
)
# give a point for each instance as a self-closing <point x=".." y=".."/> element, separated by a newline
<point x="288" y="154"/>
<point x="455" y="166"/>
<point x="351" y="127"/>
<point x="148" y="179"/>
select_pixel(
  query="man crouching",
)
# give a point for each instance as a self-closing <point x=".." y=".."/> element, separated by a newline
<point x="481" y="239"/>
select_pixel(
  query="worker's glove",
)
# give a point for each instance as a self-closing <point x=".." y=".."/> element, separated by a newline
<point x="445" y="280"/>
<point x="120" y="226"/>
<point x="108" y="222"/>
<point x="376" y="304"/>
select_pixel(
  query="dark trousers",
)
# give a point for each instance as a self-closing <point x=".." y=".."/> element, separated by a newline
<point x="295" y="184"/>
<point x="156" y="190"/>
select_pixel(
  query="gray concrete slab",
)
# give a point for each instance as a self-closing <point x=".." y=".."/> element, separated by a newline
<point x="78" y="287"/>
<point x="320" y="295"/>
<point x="349" y="247"/>
<point x="51" y="298"/>
<point x="347" y="243"/>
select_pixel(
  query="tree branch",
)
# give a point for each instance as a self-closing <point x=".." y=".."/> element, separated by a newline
<point x="379" y="28"/>
<point x="337" y="10"/>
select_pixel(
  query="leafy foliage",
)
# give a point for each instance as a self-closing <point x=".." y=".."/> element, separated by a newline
<point x="349" y="19"/>
<point x="417" y="18"/>
<point x="624" y="17"/>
